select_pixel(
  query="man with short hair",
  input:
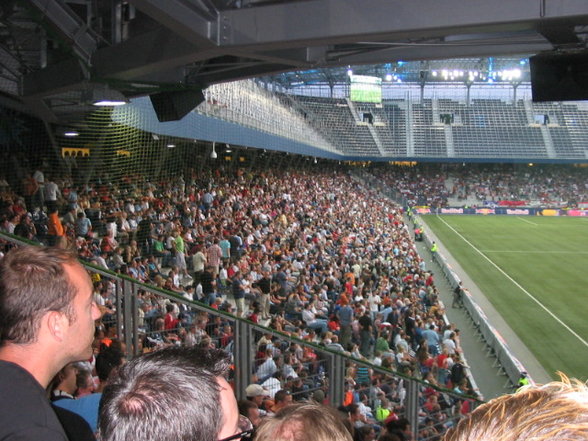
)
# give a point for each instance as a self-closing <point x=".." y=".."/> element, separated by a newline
<point x="83" y="225"/>
<point x="64" y="383"/>
<point x="432" y="339"/>
<point x="345" y="315"/>
<point x="87" y="406"/>
<point x="238" y="291"/>
<point x="172" y="394"/>
<point x="282" y="398"/>
<point x="48" y="315"/>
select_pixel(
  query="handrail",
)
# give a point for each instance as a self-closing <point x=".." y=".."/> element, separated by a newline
<point x="334" y="364"/>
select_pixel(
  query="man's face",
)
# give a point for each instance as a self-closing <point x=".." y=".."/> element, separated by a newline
<point x="230" y="410"/>
<point x="80" y="335"/>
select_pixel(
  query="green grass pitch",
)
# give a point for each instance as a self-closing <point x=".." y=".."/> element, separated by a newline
<point x="548" y="258"/>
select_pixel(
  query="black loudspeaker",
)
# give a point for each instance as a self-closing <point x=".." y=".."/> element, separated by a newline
<point x="559" y="77"/>
<point x="173" y="106"/>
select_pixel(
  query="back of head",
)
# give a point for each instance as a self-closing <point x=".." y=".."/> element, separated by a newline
<point x="304" y="422"/>
<point x="170" y="394"/>
<point x="107" y="360"/>
<point x="553" y="412"/>
<point x="26" y="295"/>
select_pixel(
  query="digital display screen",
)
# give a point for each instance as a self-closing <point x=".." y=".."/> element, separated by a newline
<point x="365" y="89"/>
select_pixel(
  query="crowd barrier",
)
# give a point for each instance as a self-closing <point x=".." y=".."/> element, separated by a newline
<point x="328" y="370"/>
<point x="504" y="211"/>
<point x="495" y="343"/>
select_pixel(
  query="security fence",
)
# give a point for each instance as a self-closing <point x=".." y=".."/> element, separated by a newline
<point x="136" y="315"/>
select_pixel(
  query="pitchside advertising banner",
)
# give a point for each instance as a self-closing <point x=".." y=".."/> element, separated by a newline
<point x="503" y="211"/>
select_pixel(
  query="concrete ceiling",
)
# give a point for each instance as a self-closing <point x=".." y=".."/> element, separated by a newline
<point x="54" y="52"/>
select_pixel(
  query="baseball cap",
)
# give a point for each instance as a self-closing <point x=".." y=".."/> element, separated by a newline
<point x="255" y="390"/>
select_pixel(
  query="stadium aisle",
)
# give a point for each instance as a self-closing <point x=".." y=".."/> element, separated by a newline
<point x="489" y="381"/>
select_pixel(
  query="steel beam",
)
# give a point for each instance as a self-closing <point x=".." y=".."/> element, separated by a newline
<point x="313" y="33"/>
<point x="336" y="21"/>
<point x="439" y="51"/>
<point x="155" y="51"/>
<point x="67" y="23"/>
<point x="184" y="18"/>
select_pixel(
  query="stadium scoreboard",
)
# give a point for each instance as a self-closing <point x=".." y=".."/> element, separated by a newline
<point x="365" y="89"/>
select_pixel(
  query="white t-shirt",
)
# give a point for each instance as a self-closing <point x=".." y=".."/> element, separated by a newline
<point x="450" y="345"/>
<point x="374" y="302"/>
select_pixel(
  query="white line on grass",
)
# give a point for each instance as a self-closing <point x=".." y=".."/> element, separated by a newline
<point x="525" y="220"/>
<point x="534" y="252"/>
<point x="517" y="284"/>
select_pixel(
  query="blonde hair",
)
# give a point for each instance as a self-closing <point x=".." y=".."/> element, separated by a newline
<point x="556" y="411"/>
<point x="304" y="422"/>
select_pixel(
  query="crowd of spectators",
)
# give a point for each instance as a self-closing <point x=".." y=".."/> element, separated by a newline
<point x="536" y="184"/>
<point x="442" y="186"/>
<point x="316" y="255"/>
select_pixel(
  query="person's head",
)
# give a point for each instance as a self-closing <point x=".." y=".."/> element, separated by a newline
<point x="401" y="425"/>
<point x="304" y="422"/>
<point x="59" y="314"/>
<point x="367" y="433"/>
<point x="84" y="382"/>
<point x="353" y="412"/>
<point x="250" y="410"/>
<point x="552" y="412"/>
<point x="108" y="360"/>
<point x="283" y="398"/>
<point x="66" y="379"/>
<point x="171" y="394"/>
<point x="256" y="393"/>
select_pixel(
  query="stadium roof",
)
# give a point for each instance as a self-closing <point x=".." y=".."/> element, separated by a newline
<point x="56" y="55"/>
<point x="511" y="69"/>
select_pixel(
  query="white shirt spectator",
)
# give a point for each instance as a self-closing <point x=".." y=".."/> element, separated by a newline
<point x="272" y="385"/>
<point x="266" y="369"/>
<point x="450" y="345"/>
<point x="51" y="191"/>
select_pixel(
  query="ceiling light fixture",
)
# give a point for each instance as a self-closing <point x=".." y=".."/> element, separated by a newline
<point x="107" y="97"/>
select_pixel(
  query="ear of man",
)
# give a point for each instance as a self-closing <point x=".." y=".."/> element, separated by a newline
<point x="57" y="324"/>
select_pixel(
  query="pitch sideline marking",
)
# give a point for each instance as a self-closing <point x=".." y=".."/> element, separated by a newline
<point x="517" y="284"/>
<point x="535" y="252"/>
<point x="529" y="222"/>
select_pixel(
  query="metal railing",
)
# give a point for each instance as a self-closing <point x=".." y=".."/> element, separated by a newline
<point x="335" y="374"/>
